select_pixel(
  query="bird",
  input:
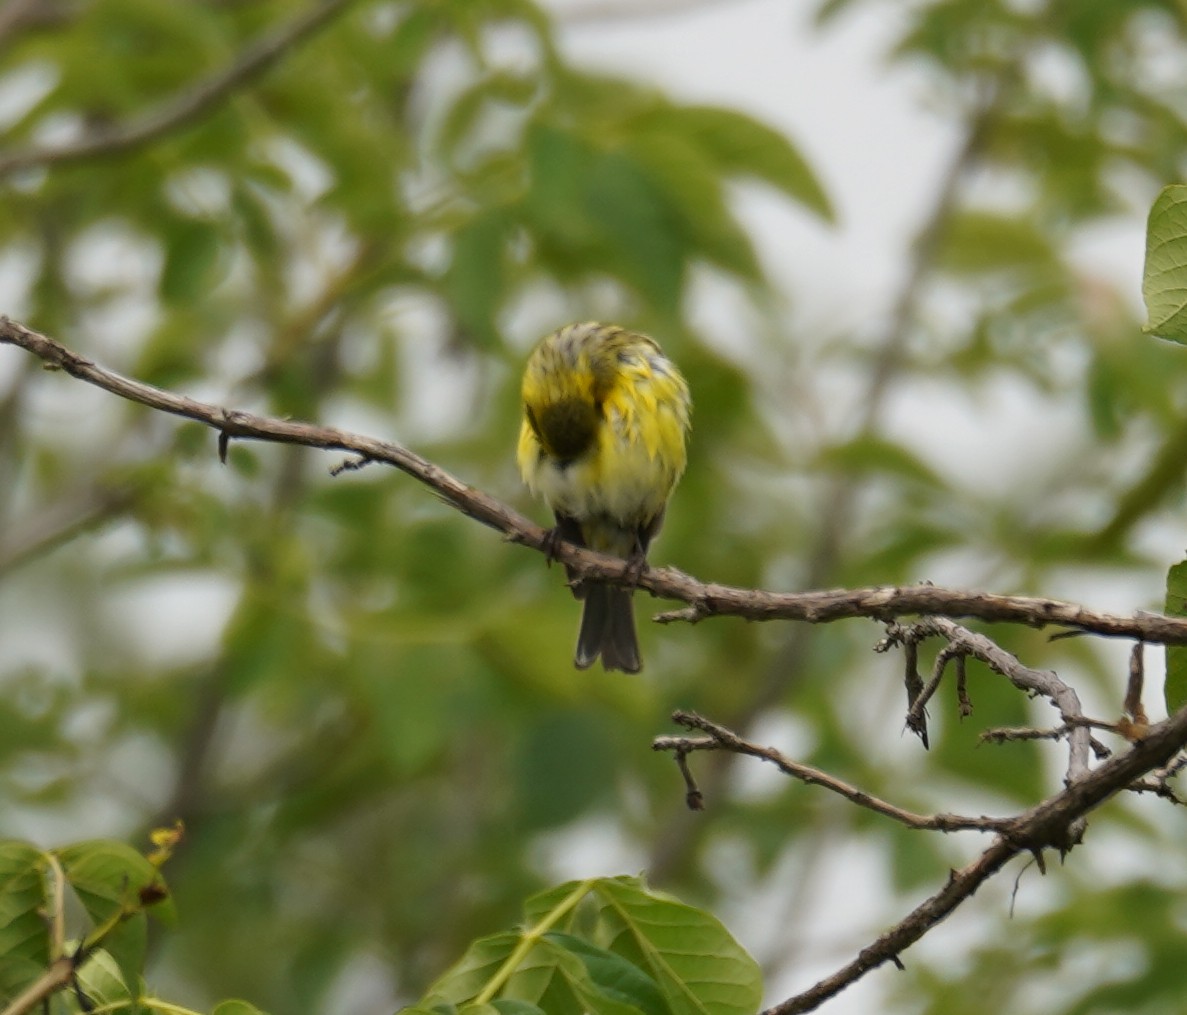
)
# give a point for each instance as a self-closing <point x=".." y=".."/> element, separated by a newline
<point x="603" y="442"/>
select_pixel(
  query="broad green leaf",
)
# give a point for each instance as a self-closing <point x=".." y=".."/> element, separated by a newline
<point x="1164" y="283"/>
<point x="638" y="228"/>
<point x="614" y="976"/>
<point x="1175" y="691"/>
<point x="104" y="983"/>
<point x="191" y="257"/>
<point x="553" y="978"/>
<point x="694" y="190"/>
<point x="563" y="763"/>
<point x="698" y="966"/>
<point x="469" y="976"/>
<point x="109" y="879"/>
<point x="743" y="146"/>
<point x="475" y="280"/>
<point x="541" y="905"/>
<point x="981" y="241"/>
<point x="874" y="455"/>
<point x="558" y="166"/>
<point x="24" y="938"/>
<point x="558" y="973"/>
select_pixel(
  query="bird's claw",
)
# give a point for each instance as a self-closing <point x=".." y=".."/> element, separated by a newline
<point x="636" y="564"/>
<point x="552" y="539"/>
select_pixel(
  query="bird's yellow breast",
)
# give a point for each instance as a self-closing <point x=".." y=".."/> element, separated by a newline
<point x="606" y="418"/>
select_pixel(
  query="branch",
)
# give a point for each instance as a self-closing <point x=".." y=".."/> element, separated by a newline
<point x="187" y="105"/>
<point x="721" y="739"/>
<point x="1041" y="682"/>
<point x="51" y="529"/>
<point x="705" y="599"/>
<point x="59" y="973"/>
<point x="1049" y="824"/>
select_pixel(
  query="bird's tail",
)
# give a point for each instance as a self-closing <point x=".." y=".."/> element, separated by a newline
<point x="608" y="629"/>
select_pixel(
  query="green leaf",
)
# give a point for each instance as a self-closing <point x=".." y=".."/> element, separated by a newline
<point x="469" y="976"/>
<point x="414" y="39"/>
<point x="191" y="257"/>
<point x="693" y="189"/>
<point x="564" y="760"/>
<point x="475" y="280"/>
<point x="104" y="982"/>
<point x="867" y="454"/>
<point x="555" y="973"/>
<point x="1175" y="691"/>
<point x="742" y="146"/>
<point x="638" y="227"/>
<point x="614" y="976"/>
<point x="981" y="241"/>
<point x="108" y="878"/>
<point x="1164" y="282"/>
<point x="552" y="976"/>
<point x="558" y="168"/>
<point x="24" y="937"/>
<point x="699" y="967"/>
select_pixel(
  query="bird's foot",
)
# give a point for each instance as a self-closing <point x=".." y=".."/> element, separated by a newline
<point x="636" y="564"/>
<point x="552" y="539"/>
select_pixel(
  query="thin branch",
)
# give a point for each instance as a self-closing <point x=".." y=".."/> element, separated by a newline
<point x="1136" y="719"/>
<point x="1042" y="682"/>
<point x="1050" y="824"/>
<point x="186" y="106"/>
<point x="57" y="975"/>
<point x="721" y="739"/>
<point x="705" y="599"/>
<point x="1016" y="734"/>
<point x="17" y="15"/>
<point x="47" y="532"/>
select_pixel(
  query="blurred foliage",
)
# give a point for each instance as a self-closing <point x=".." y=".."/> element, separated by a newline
<point x="360" y="703"/>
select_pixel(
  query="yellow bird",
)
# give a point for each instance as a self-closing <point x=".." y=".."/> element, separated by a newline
<point x="605" y="421"/>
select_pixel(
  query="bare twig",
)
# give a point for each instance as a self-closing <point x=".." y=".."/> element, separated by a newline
<point x="79" y="513"/>
<point x="963" y="702"/>
<point x="1050" y="824"/>
<point x="1042" y="682"/>
<point x="721" y="739"/>
<point x="16" y="15"/>
<point x="916" y="711"/>
<point x="705" y="599"/>
<point x="186" y="106"/>
<point x="1016" y="734"/>
<point x="1135" y="719"/>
